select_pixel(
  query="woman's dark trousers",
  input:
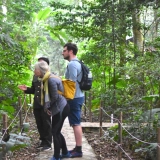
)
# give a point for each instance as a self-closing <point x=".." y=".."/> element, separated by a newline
<point x="58" y="139"/>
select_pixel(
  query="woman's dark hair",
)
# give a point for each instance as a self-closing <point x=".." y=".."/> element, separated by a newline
<point x="71" y="46"/>
<point x="44" y="59"/>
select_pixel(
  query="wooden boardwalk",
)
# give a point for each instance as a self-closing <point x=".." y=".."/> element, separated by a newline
<point x="88" y="153"/>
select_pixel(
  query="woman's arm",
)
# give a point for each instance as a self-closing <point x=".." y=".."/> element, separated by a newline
<point x="53" y="90"/>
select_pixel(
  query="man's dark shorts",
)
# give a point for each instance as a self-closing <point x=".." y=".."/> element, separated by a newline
<point x="75" y="111"/>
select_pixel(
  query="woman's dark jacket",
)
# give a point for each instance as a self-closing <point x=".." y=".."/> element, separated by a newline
<point x="57" y="101"/>
<point x="36" y="90"/>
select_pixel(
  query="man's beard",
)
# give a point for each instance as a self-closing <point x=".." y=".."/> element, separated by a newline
<point x="67" y="58"/>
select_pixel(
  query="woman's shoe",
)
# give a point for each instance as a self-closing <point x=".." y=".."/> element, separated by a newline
<point x="68" y="155"/>
<point x="53" y="158"/>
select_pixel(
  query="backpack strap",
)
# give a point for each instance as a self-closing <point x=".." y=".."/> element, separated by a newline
<point x="81" y="67"/>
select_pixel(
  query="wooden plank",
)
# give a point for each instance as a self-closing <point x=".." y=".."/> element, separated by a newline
<point x="96" y="124"/>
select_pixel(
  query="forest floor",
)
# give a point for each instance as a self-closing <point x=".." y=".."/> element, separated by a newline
<point x="29" y="152"/>
<point x="103" y="147"/>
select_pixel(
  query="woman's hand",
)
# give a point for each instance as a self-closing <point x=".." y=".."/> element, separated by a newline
<point x="48" y="111"/>
<point x="46" y="108"/>
<point x="47" y="105"/>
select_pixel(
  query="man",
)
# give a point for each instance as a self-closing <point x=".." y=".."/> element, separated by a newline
<point x="43" y="120"/>
<point x="74" y="72"/>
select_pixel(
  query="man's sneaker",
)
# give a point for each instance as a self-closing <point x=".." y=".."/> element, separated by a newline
<point x="40" y="146"/>
<point x="45" y="149"/>
<point x="68" y="155"/>
<point x="76" y="154"/>
<point x="39" y="142"/>
<point x="53" y="158"/>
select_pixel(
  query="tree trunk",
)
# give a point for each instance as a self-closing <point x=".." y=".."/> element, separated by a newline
<point x="156" y="19"/>
<point x="137" y="35"/>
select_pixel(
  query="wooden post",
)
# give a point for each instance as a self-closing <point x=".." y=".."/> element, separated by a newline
<point x="120" y="137"/>
<point x="4" y="121"/>
<point x="25" y="105"/>
<point x="25" y="108"/>
<point x="30" y="101"/>
<point x="85" y="104"/>
<point x="4" y="130"/>
<point x="90" y="107"/>
<point x="5" y="135"/>
<point x="20" y="113"/>
<point x="4" y="152"/>
<point x="100" y="119"/>
<point x="111" y="118"/>
<point x="158" y="147"/>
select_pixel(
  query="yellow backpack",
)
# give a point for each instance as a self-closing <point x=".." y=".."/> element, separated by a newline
<point x="69" y="87"/>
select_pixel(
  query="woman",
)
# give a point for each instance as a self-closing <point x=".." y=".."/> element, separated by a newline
<point x="55" y="105"/>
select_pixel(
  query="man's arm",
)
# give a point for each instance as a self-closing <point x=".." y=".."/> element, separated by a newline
<point x="72" y="72"/>
<point x="28" y="90"/>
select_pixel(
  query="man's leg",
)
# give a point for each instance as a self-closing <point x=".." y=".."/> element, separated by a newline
<point x="78" y="135"/>
<point x="37" y="115"/>
<point x="75" y="120"/>
<point x="46" y="125"/>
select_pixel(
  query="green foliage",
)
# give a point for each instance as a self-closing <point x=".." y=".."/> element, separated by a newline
<point x="150" y="97"/>
<point x="22" y="9"/>
<point x="152" y="115"/>
<point x="149" y="151"/>
<point x="42" y="15"/>
<point x="18" y="46"/>
<point x="125" y="78"/>
<point x="18" y="147"/>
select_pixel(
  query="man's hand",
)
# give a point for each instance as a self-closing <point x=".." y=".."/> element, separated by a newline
<point x="22" y="87"/>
